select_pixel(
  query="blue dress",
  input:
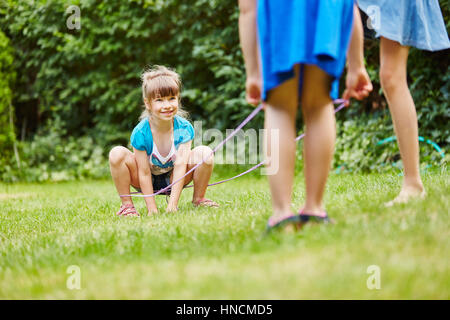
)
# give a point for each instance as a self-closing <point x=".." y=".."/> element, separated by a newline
<point x="416" y="23"/>
<point x="303" y="32"/>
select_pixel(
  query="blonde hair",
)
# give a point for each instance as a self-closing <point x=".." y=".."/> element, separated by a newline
<point x="161" y="81"/>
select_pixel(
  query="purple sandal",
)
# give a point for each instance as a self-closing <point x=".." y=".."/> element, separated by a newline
<point x="206" y="203"/>
<point x="127" y="210"/>
<point x="274" y="224"/>
<point x="305" y="218"/>
<point x="297" y="220"/>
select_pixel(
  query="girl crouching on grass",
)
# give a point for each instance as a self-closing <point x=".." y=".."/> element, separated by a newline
<point x="161" y="149"/>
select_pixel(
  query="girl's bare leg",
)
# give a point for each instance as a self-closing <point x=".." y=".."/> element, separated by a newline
<point x="202" y="174"/>
<point x="393" y="74"/>
<point x="281" y="110"/>
<point x="320" y="135"/>
<point x="124" y="171"/>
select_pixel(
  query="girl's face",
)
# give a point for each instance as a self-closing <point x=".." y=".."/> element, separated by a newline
<point x="164" y="108"/>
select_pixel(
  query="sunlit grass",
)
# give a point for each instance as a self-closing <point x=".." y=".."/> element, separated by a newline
<point x="221" y="253"/>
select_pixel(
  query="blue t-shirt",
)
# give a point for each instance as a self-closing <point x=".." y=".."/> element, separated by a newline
<point x="142" y="139"/>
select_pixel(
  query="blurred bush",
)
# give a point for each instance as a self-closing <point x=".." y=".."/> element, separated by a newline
<point x="8" y="144"/>
<point x="80" y="90"/>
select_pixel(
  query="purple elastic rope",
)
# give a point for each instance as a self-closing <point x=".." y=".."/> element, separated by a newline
<point x="339" y="108"/>
<point x="229" y="179"/>
<point x="247" y="120"/>
<point x="251" y="116"/>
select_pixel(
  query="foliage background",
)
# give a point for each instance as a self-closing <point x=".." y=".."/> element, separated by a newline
<point x="7" y="77"/>
<point x="76" y="93"/>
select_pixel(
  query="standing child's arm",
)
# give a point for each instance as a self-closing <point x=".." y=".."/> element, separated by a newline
<point x="179" y="169"/>
<point x="358" y="82"/>
<point x="249" y="44"/>
<point x="145" y="179"/>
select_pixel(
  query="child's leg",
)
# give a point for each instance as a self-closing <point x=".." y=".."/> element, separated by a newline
<point x="320" y="135"/>
<point x="393" y="66"/>
<point x="124" y="171"/>
<point x="202" y="174"/>
<point x="281" y="110"/>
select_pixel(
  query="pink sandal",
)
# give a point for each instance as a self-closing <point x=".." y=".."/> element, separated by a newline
<point x="206" y="203"/>
<point x="127" y="210"/>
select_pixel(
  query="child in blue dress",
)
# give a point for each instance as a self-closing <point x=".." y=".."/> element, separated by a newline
<point x="301" y="56"/>
<point x="161" y="148"/>
<point x="401" y="24"/>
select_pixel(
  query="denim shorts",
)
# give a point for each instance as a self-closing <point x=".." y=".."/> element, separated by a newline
<point x="159" y="182"/>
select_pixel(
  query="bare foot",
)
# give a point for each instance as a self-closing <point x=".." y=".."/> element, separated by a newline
<point x="127" y="210"/>
<point x="406" y="195"/>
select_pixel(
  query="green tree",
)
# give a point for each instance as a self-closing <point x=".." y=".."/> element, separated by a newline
<point x="85" y="83"/>
<point x="8" y="147"/>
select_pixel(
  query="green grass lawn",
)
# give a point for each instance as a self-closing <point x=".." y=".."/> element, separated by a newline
<point x="220" y="253"/>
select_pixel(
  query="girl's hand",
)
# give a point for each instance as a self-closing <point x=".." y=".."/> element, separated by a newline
<point x="358" y="84"/>
<point x="152" y="211"/>
<point x="253" y="90"/>
<point x="171" y="209"/>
